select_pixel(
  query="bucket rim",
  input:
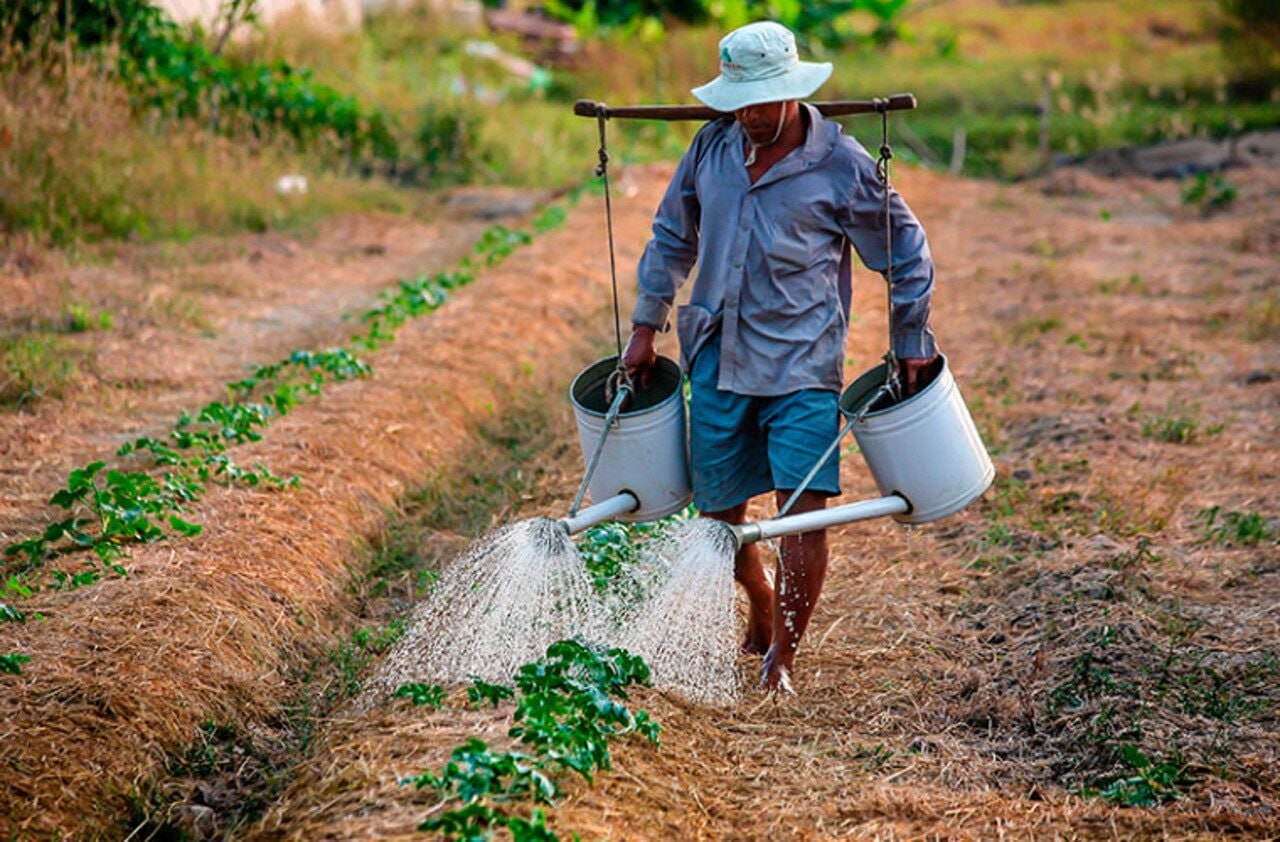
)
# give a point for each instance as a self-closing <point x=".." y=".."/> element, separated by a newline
<point x="872" y="379"/>
<point x="609" y="363"/>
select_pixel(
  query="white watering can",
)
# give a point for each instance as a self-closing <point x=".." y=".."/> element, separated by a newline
<point x="635" y="445"/>
<point x="924" y="452"/>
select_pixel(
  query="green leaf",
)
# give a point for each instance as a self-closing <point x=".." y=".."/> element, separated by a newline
<point x="12" y="662"/>
<point x="532" y="829"/>
<point x="185" y="528"/>
<point x="481" y="692"/>
<point x="430" y="695"/>
<point x="1134" y="756"/>
<point x="15" y="584"/>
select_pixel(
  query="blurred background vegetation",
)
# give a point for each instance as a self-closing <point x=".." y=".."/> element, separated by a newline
<point x="116" y="122"/>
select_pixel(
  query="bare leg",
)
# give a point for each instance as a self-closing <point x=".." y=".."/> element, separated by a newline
<point x="802" y="568"/>
<point x="749" y="571"/>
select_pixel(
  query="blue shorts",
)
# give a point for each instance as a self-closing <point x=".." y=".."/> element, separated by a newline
<point x="741" y="446"/>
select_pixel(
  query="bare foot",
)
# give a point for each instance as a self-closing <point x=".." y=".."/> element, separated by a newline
<point x="777" y="680"/>
<point x="759" y="635"/>
<point x="775" y="675"/>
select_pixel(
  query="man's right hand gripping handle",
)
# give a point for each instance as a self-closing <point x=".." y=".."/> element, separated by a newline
<point x="640" y="355"/>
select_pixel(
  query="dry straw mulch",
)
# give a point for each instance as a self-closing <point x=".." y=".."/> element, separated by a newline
<point x="963" y="680"/>
<point x="210" y="630"/>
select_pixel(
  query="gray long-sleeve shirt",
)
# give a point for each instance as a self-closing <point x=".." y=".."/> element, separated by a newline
<point x="774" y="267"/>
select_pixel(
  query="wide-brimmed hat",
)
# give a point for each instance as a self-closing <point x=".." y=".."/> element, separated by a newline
<point x="759" y="63"/>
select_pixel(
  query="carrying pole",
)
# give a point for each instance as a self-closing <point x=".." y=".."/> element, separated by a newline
<point x="835" y="108"/>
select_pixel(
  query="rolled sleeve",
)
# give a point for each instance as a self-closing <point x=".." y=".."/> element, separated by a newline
<point x="911" y="290"/>
<point x="652" y="311"/>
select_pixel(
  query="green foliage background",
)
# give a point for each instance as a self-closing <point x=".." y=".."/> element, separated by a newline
<point x="404" y="101"/>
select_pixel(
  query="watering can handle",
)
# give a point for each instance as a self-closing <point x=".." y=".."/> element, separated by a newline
<point x="618" y="381"/>
<point x="624" y="392"/>
<point x="817" y="466"/>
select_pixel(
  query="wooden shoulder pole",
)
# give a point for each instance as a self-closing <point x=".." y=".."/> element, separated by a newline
<point x="837" y="108"/>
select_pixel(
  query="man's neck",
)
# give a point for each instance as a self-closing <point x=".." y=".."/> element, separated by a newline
<point x="791" y="137"/>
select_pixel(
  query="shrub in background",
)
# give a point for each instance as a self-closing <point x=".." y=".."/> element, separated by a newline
<point x="173" y="71"/>
<point x="817" y="23"/>
<point x="1251" y="40"/>
<point x="449" y="144"/>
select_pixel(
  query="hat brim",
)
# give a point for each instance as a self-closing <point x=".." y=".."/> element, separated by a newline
<point x="798" y="83"/>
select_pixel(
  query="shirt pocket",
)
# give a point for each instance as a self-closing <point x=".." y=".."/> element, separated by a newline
<point x="694" y="326"/>
<point x="789" y="255"/>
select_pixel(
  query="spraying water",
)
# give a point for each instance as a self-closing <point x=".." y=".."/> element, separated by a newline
<point x="688" y="627"/>
<point x="512" y="594"/>
<point x="522" y="587"/>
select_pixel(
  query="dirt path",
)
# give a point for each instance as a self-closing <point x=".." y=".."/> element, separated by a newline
<point x="958" y="680"/>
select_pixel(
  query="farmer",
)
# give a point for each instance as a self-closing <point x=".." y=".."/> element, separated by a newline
<point x="768" y="204"/>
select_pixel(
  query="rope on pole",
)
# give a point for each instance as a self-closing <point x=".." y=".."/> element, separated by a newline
<point x="602" y="170"/>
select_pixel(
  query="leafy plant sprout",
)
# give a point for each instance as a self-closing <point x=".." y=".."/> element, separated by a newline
<point x="109" y="509"/>
<point x="569" y="705"/>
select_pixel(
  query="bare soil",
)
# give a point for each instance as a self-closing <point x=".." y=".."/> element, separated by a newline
<point x="974" y="678"/>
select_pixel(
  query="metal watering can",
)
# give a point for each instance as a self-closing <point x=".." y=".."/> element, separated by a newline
<point x="924" y="452"/>
<point x="634" y="443"/>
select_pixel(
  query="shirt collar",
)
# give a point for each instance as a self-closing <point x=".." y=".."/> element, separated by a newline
<point x="820" y="139"/>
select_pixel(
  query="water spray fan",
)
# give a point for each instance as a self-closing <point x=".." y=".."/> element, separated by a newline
<point x="924" y="451"/>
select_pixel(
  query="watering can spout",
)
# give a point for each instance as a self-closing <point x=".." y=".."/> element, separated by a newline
<point x="619" y="504"/>
<point x="749" y="533"/>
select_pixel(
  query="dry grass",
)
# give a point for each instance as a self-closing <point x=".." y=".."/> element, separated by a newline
<point x="966" y="680"/>
<point x="212" y="629"/>
<point x="960" y="680"/>
<point x="79" y="164"/>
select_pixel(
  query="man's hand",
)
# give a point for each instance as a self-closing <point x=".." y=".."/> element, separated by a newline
<point x="640" y="356"/>
<point x="914" y="374"/>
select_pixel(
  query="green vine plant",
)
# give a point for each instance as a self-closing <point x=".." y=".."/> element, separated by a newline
<point x="173" y="72"/>
<point x="108" y="509"/>
<point x="569" y="705"/>
<point x="422" y="695"/>
<point x="608" y="549"/>
<point x="12" y="662"/>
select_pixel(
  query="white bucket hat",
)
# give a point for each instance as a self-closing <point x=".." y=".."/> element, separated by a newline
<point x="759" y="63"/>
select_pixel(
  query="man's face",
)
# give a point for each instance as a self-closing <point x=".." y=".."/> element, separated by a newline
<point x="760" y="122"/>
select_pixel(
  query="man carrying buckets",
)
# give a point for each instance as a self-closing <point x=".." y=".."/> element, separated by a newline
<point x="768" y="204"/>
